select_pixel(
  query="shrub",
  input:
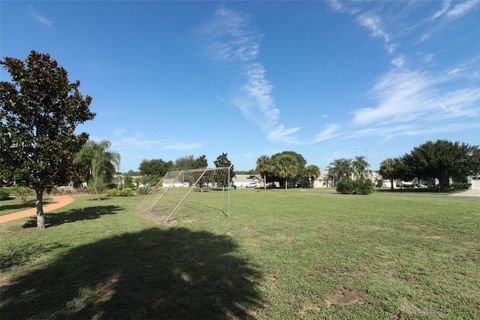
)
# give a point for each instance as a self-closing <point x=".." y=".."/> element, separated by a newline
<point x="363" y="186"/>
<point x="460" y="185"/>
<point x="22" y="193"/>
<point x="4" y="194"/>
<point x="360" y="186"/>
<point x="143" y="190"/>
<point x="345" y="186"/>
<point x="114" y="192"/>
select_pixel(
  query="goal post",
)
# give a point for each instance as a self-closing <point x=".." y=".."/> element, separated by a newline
<point x="189" y="192"/>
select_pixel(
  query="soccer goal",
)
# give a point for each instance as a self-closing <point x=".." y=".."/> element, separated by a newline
<point x="188" y="193"/>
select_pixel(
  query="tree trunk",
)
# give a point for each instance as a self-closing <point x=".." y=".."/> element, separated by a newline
<point x="39" y="205"/>
<point x="391" y="184"/>
<point x="444" y="183"/>
<point x="286" y="184"/>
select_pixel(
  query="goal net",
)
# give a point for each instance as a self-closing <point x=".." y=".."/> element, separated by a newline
<point x="188" y="193"/>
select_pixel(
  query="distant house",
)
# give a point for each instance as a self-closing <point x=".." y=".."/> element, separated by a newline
<point x="474" y="182"/>
<point x="322" y="181"/>
<point x="247" y="181"/>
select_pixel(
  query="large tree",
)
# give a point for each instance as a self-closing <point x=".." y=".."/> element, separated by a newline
<point x="39" y="112"/>
<point x="155" y="167"/>
<point x="264" y="167"/>
<point x="360" y="167"/>
<point x="443" y="160"/>
<point x="223" y="161"/>
<point x="97" y="164"/>
<point x="312" y="172"/>
<point x="286" y="166"/>
<point x="301" y="162"/>
<point x="388" y="170"/>
<point x="190" y="162"/>
<point x="340" y="168"/>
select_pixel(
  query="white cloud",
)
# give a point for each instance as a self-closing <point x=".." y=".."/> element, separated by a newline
<point x="233" y="39"/>
<point x="399" y="61"/>
<point x="39" y="18"/>
<point x="121" y="138"/>
<point x="462" y="9"/>
<point x="443" y="9"/>
<point x="373" y="23"/>
<point x="402" y="96"/>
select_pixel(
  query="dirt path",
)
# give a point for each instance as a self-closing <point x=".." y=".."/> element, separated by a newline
<point x="57" y="202"/>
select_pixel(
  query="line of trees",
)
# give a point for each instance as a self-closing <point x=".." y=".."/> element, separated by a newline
<point x="154" y="169"/>
<point x="440" y="159"/>
<point x="285" y="166"/>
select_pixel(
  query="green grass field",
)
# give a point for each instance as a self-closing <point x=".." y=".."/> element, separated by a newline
<point x="280" y="255"/>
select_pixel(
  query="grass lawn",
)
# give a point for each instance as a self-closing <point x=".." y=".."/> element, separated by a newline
<point x="14" y="204"/>
<point x="280" y="255"/>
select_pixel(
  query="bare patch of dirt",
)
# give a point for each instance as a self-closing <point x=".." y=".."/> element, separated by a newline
<point x="272" y="281"/>
<point x="392" y="272"/>
<point x="5" y="282"/>
<point x="309" y="307"/>
<point x="345" y="297"/>
<point x="252" y="241"/>
<point x="432" y="237"/>
<point x="409" y="308"/>
<point x="248" y="228"/>
<point x="286" y="239"/>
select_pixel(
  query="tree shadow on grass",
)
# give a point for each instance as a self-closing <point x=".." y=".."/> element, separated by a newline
<point x="21" y="206"/>
<point x="153" y="274"/>
<point x="72" y="215"/>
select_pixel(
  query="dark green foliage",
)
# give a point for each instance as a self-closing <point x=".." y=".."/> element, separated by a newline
<point x="128" y="182"/>
<point x="363" y="186"/>
<point x="460" y="185"/>
<point x="39" y="113"/>
<point x="155" y="167"/>
<point x="143" y="191"/>
<point x="443" y="159"/>
<point x="286" y="166"/>
<point x="359" y="186"/>
<point x="4" y="194"/>
<point x="222" y="161"/>
<point x="340" y="168"/>
<point x="190" y="162"/>
<point x="345" y="186"/>
<point x="300" y="161"/>
<point x="114" y="192"/>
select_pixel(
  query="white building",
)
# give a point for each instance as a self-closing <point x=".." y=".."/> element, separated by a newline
<point x="247" y="181"/>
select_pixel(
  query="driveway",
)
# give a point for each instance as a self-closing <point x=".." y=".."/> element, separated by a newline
<point x="468" y="193"/>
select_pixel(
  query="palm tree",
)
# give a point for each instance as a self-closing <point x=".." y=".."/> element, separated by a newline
<point x="313" y="172"/>
<point x="340" y="168"/>
<point x="360" y="167"/>
<point x="97" y="163"/>
<point x="264" y="166"/>
<point x="286" y="166"/>
<point x="388" y="170"/>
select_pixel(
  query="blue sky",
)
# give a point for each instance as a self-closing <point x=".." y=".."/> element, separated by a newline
<point x="327" y="79"/>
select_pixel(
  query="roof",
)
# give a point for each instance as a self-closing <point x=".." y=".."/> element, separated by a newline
<point x="246" y="178"/>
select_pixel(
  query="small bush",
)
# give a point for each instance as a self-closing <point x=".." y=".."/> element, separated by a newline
<point x="460" y="185"/>
<point x="363" y="186"/>
<point x="345" y="186"/>
<point x="143" y="190"/>
<point x="360" y="186"/>
<point x="119" y="193"/>
<point x="4" y="194"/>
<point x="22" y="193"/>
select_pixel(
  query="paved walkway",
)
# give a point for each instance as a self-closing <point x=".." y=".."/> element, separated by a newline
<point x="468" y="193"/>
<point x="56" y="203"/>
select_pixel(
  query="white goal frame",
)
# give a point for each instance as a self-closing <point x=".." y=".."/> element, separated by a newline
<point x="167" y="183"/>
